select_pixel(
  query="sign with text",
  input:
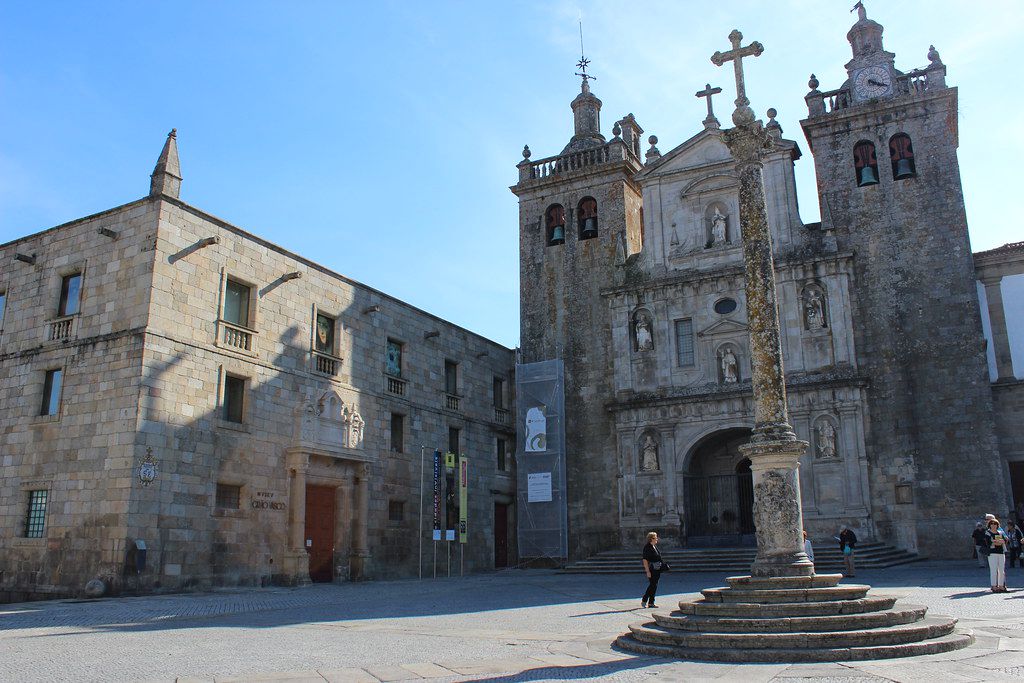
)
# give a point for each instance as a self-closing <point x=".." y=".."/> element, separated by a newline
<point x="463" y="499"/>
<point x="437" y="496"/>
<point x="538" y="488"/>
<point x="536" y="439"/>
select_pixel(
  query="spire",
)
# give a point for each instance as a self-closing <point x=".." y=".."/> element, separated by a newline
<point x="586" y="109"/>
<point x="866" y="35"/>
<point x="166" y="178"/>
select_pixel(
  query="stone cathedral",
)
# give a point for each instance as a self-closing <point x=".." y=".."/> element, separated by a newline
<point x="632" y="274"/>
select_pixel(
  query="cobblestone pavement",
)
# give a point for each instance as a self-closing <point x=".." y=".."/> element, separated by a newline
<point x="507" y="626"/>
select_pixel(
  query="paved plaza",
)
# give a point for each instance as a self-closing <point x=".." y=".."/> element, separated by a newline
<point x="514" y="625"/>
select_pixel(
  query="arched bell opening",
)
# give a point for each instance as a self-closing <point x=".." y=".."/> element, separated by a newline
<point x="587" y="218"/>
<point x="901" y="154"/>
<point x="554" y="221"/>
<point x="865" y="163"/>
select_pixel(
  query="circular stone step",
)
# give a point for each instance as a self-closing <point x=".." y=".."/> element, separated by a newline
<point x="905" y="614"/>
<point x="846" y="592"/>
<point x="755" y="582"/>
<point x="931" y="627"/>
<point x="871" y="603"/>
<point x="947" y="643"/>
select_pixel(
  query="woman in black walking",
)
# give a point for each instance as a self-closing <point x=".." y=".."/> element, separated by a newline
<point x="652" y="567"/>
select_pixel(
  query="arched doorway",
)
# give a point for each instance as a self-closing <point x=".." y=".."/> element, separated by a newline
<point x="718" y="495"/>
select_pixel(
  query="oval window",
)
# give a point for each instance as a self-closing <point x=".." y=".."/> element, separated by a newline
<point x="725" y="306"/>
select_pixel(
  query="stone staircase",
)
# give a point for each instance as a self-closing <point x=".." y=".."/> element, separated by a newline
<point x="738" y="560"/>
<point x="793" y="619"/>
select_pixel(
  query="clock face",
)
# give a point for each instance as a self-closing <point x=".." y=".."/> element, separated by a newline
<point x="873" y="81"/>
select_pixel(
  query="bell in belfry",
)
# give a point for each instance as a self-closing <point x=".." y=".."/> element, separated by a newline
<point x="558" y="234"/>
<point x="904" y="169"/>
<point x="589" y="228"/>
<point x="867" y="176"/>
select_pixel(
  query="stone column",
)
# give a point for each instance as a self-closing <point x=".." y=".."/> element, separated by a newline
<point x="997" y="323"/>
<point x="343" y="525"/>
<point x="361" y="512"/>
<point x="296" y="561"/>
<point x="774" y="450"/>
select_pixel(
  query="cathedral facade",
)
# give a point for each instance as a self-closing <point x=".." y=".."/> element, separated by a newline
<point x="632" y="274"/>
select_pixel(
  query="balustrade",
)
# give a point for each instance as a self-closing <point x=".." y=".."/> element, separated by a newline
<point x="326" y="364"/>
<point x="501" y="415"/>
<point x="395" y="385"/>
<point x="61" y="329"/>
<point x="237" y="337"/>
<point x="574" y="161"/>
<point x="451" y="401"/>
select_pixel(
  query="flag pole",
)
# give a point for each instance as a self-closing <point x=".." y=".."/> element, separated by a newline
<point x="420" y="563"/>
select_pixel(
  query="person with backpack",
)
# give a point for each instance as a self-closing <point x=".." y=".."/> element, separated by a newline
<point x="847" y="542"/>
<point x="979" y="544"/>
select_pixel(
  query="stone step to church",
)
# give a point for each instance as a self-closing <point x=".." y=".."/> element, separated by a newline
<point x="905" y="614"/>
<point x="769" y="596"/>
<point x="871" y="603"/>
<point x="923" y="629"/>
<point x="931" y="646"/>
<point x="869" y="556"/>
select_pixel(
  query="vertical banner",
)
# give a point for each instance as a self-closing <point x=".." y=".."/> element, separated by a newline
<point x="451" y="498"/>
<point x="536" y="439"/>
<point x="463" y="498"/>
<point x="437" y="495"/>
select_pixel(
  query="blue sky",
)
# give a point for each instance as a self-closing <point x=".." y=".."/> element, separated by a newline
<point x="380" y="139"/>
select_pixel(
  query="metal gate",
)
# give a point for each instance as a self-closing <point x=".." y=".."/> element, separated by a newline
<point x="719" y="505"/>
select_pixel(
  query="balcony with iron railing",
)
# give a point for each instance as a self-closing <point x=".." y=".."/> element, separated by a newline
<point x="914" y="83"/>
<point x="236" y="337"/>
<point x="61" y="329"/>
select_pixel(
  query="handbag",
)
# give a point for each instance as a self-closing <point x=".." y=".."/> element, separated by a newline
<point x="847" y="550"/>
<point x="663" y="566"/>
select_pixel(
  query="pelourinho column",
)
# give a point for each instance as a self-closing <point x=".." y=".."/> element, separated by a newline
<point x="774" y="450"/>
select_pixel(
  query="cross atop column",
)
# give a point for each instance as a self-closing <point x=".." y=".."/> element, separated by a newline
<point x="707" y="92"/>
<point x="736" y="55"/>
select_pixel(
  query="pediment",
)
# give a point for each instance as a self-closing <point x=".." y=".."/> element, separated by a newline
<point x="722" y="328"/>
<point x="703" y="149"/>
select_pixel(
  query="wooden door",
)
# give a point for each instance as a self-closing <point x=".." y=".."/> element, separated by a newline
<point x="500" y="535"/>
<point x="320" y="532"/>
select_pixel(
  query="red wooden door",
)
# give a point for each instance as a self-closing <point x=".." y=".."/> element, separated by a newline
<point x="500" y="535"/>
<point x="320" y="532"/>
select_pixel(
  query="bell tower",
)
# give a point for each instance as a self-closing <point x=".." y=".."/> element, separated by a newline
<point x="579" y="222"/>
<point x="885" y="155"/>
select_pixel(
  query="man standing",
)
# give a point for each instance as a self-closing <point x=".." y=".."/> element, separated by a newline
<point x="979" y="544"/>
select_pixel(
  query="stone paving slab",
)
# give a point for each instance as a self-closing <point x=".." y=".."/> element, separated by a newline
<point x="502" y="628"/>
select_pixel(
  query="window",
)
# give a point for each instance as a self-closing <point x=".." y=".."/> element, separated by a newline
<point x="554" y="221"/>
<point x="684" y="342"/>
<point x="396" y="510"/>
<point x="865" y="164"/>
<point x="236" y="303"/>
<point x="393" y="358"/>
<point x="234" y="398"/>
<point x="901" y="153"/>
<point x="228" y="496"/>
<point x="51" y="392"/>
<point x="587" y="218"/>
<point x="499" y="392"/>
<point x="451" y="377"/>
<point x="3" y="307"/>
<point x="453" y="440"/>
<point x="397" y="432"/>
<point x="35" y="516"/>
<point x="324" y="334"/>
<point x="503" y="462"/>
<point x="70" y="294"/>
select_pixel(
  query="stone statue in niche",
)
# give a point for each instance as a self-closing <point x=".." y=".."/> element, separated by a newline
<point x="814" y="309"/>
<point x="644" y="339"/>
<point x="718" y="234"/>
<point x="826" y="440"/>
<point x="649" y="455"/>
<point x="729" y="365"/>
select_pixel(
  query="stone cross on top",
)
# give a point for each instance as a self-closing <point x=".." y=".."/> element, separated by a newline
<point x="707" y="92"/>
<point x="743" y="113"/>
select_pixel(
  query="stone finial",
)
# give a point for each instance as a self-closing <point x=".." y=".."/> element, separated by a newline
<point x="653" y="154"/>
<point x="773" y="126"/>
<point x="813" y="83"/>
<point x="933" y="56"/>
<point x="616" y="130"/>
<point x="166" y="176"/>
<point x="526" y="152"/>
